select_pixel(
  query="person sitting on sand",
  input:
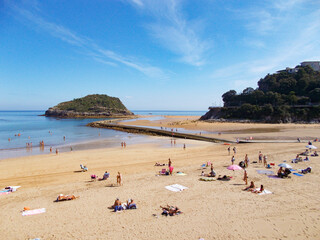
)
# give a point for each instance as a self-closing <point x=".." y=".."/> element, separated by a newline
<point x="251" y="187"/>
<point x="105" y="176"/>
<point x="202" y="173"/>
<point x="131" y="204"/>
<point x="260" y="190"/>
<point x="315" y="154"/>
<point x="117" y="206"/>
<point x="280" y="172"/>
<point x="212" y="173"/>
<point x="62" y="197"/>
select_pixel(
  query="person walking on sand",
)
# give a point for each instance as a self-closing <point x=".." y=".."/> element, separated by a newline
<point x="260" y="157"/>
<point x="119" y="179"/>
<point x="124" y="144"/>
<point x="184" y="146"/>
<point x="232" y="160"/>
<point x="169" y="162"/>
<point x="234" y="150"/>
<point x="229" y="150"/>
<point x="57" y="151"/>
<point x="246" y="160"/>
<point x="245" y="177"/>
<point x="264" y="160"/>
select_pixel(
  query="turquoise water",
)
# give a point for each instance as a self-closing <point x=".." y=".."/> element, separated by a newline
<point x="34" y="128"/>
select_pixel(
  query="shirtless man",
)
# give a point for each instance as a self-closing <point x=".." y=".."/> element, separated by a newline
<point x="119" y="179"/>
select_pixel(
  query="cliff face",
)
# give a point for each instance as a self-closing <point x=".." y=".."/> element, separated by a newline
<point x="91" y="106"/>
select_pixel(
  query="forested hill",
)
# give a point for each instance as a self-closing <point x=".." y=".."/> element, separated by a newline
<point x="280" y="97"/>
<point x="97" y="105"/>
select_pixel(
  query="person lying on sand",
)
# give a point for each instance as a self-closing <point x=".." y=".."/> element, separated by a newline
<point x="159" y="164"/>
<point x="224" y="178"/>
<point x="251" y="187"/>
<point x="62" y="197"/>
<point x="170" y="210"/>
<point x="260" y="190"/>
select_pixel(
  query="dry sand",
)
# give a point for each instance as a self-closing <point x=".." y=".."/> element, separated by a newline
<point x="211" y="210"/>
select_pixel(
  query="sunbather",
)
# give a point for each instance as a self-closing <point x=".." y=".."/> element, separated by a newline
<point x="251" y="187"/>
<point x="170" y="210"/>
<point x="117" y="205"/>
<point x="260" y="190"/>
<point x="224" y="178"/>
<point x="307" y="170"/>
<point x="315" y="154"/>
<point x="131" y="204"/>
<point x="105" y="176"/>
<point x="62" y="197"/>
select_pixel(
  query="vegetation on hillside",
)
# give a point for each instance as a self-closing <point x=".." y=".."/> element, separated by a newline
<point x="93" y="103"/>
<point x="281" y="96"/>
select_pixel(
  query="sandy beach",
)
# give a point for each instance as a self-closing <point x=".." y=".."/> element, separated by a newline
<point x="211" y="210"/>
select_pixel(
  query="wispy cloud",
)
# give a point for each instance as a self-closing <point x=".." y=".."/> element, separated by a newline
<point x="300" y="42"/>
<point x="174" y="31"/>
<point x="88" y="46"/>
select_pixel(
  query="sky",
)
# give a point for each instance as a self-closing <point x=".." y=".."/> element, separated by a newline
<point x="152" y="54"/>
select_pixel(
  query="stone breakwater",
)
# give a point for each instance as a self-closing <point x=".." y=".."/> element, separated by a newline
<point x="155" y="132"/>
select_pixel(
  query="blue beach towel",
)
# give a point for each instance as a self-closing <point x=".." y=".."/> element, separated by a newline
<point x="298" y="174"/>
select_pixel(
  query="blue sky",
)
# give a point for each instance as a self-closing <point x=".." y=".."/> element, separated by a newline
<point x="164" y="55"/>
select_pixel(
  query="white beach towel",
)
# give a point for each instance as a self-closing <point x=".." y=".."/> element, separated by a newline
<point x="33" y="212"/>
<point x="176" y="188"/>
<point x="263" y="192"/>
<point x="14" y="188"/>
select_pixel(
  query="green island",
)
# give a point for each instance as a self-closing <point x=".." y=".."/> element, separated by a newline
<point x="91" y="106"/>
<point x="290" y="95"/>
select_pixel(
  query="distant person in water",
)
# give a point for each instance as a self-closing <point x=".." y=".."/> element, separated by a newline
<point x="64" y="138"/>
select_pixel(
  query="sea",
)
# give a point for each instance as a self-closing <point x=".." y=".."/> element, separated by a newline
<point x="21" y="129"/>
